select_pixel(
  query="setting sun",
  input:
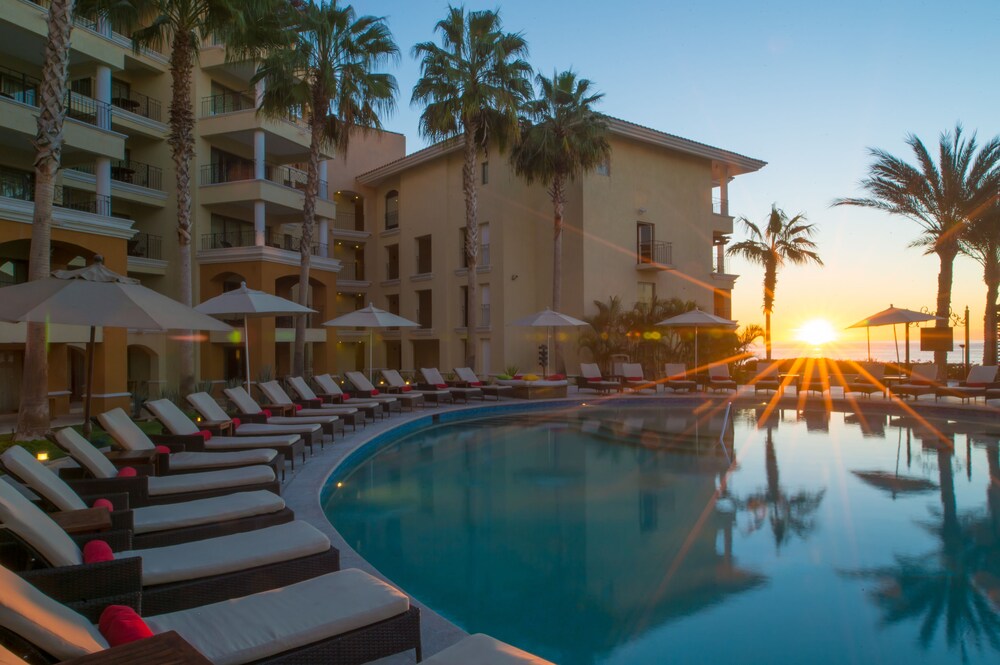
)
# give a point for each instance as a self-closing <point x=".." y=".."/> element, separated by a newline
<point x="816" y="332"/>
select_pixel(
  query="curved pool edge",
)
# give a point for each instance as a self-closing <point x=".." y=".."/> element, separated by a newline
<point x="303" y="491"/>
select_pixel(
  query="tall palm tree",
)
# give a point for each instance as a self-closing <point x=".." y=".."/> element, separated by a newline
<point x="33" y="413"/>
<point x="981" y="241"/>
<point x="184" y="25"/>
<point x="780" y="240"/>
<point x="325" y="67"/>
<point x="941" y="198"/>
<point x="473" y="84"/>
<point x="562" y="137"/>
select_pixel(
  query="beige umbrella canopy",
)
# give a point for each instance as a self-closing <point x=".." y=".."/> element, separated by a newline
<point x="548" y="319"/>
<point x="696" y="319"/>
<point x="96" y="296"/>
<point x="370" y="317"/>
<point x="890" y="317"/>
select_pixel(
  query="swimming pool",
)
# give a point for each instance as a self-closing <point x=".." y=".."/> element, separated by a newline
<point x="649" y="534"/>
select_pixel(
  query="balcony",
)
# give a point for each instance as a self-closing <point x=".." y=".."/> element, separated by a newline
<point x="139" y="104"/>
<point x="286" y="176"/>
<point x="233" y="116"/>
<point x="353" y="272"/>
<point x="230" y="239"/>
<point x="130" y="172"/>
<point x="145" y="254"/>
<point x="230" y="189"/>
<point x="654" y="255"/>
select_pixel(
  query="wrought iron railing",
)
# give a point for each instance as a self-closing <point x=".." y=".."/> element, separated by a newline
<point x="19" y="86"/>
<point x="146" y="246"/>
<point x="656" y="251"/>
<point x="130" y="171"/>
<point x="247" y="238"/>
<point x="21" y="186"/>
<point x="226" y="102"/>
<point x="87" y="109"/>
<point x="235" y="171"/>
<point x="140" y="104"/>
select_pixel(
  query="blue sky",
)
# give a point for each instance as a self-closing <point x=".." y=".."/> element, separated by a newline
<point x="805" y="86"/>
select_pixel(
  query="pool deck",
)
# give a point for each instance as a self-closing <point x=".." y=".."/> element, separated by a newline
<point x="302" y="488"/>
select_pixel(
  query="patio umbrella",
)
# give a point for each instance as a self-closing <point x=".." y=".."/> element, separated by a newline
<point x="548" y="319"/>
<point x="696" y="319"/>
<point x="890" y="317"/>
<point x="96" y="296"/>
<point x="370" y="317"/>
<point x="247" y="302"/>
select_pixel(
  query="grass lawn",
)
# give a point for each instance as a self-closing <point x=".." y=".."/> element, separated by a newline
<point x="99" y="437"/>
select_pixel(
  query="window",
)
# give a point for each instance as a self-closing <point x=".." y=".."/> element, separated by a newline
<point x="424" y="309"/>
<point x="644" y="242"/>
<point x="392" y="262"/>
<point x="486" y="173"/>
<point x="392" y="210"/>
<point x="392" y="303"/>
<point x="424" y="256"/>
<point x="84" y="86"/>
<point x="483" y="259"/>
<point x="646" y="292"/>
<point x="604" y="168"/>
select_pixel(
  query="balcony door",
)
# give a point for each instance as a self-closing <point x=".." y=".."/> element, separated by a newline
<point x="644" y="242"/>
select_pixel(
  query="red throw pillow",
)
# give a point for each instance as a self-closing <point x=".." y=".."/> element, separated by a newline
<point x="298" y="407"/>
<point x="345" y="397"/>
<point x="127" y="472"/>
<point x="517" y="377"/>
<point x="97" y="551"/>
<point x="205" y="434"/>
<point x="267" y="413"/>
<point x="163" y="449"/>
<point x="975" y="385"/>
<point x="120" y="624"/>
<point x="550" y="377"/>
<point x="104" y="503"/>
<point x="236" y="423"/>
<point x="593" y="380"/>
<point x="633" y="378"/>
<point x="476" y="384"/>
<point x="406" y="389"/>
<point x="440" y="386"/>
<point x="374" y="392"/>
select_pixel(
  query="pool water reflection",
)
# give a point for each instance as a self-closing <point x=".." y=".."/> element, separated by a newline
<point x="604" y="535"/>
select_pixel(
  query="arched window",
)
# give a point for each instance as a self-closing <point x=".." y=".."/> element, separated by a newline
<point x="392" y="210"/>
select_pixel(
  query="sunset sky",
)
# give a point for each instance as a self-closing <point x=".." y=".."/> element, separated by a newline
<point x="805" y="86"/>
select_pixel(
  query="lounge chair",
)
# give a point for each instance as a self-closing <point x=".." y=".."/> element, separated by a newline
<point x="346" y="617"/>
<point x="176" y="575"/>
<point x="155" y="526"/>
<point x="922" y="381"/>
<point x="433" y="379"/>
<point x="484" y="650"/>
<point x="633" y="379"/>
<point x="330" y="391"/>
<point x="469" y="378"/>
<point x="979" y="379"/>
<point x="397" y="386"/>
<point x="257" y="425"/>
<point x="870" y="380"/>
<point x="675" y="378"/>
<point x="183" y="430"/>
<point x="307" y="397"/>
<point x="277" y="397"/>
<point x="152" y="490"/>
<point x="593" y="380"/>
<point x="287" y="413"/>
<point x="719" y="378"/>
<point x="365" y="390"/>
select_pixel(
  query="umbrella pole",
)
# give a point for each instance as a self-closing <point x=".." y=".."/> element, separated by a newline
<point x="371" y="362"/>
<point x="246" y="349"/>
<point x="89" y="384"/>
<point x="907" y="344"/>
<point x="895" y="340"/>
<point x="868" y="334"/>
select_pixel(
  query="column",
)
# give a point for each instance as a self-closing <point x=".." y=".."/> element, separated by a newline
<point x="323" y="236"/>
<point x="324" y="185"/>
<point x="102" y="166"/>
<point x="259" y="223"/>
<point x="259" y="171"/>
<point x="724" y="189"/>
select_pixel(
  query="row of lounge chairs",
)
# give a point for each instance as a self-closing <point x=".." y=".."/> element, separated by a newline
<point x="200" y="542"/>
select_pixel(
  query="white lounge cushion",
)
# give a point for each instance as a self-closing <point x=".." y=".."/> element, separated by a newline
<point x="128" y="435"/>
<point x="274" y="392"/>
<point x="184" y="461"/>
<point x="207" y="407"/>
<point x="312" y="413"/>
<point x="513" y="383"/>
<point x="293" y="420"/>
<point x="223" y="442"/>
<point x="301" y="387"/>
<point x="226" y="554"/>
<point x="47" y="624"/>
<point x="208" y="480"/>
<point x="484" y="650"/>
<point x="172" y="417"/>
<point x="148" y="519"/>
<point x="327" y="384"/>
<point x="36" y="528"/>
<point x="41" y="479"/>
<point x="264" y="624"/>
<point x="277" y="429"/>
<point x="85" y="453"/>
<point x="242" y="399"/>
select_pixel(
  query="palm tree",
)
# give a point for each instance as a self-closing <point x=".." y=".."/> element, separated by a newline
<point x="184" y="24"/>
<point x="325" y="67"/>
<point x="473" y="84"/>
<point x="781" y="240"/>
<point x="941" y="198"/>
<point x="562" y="137"/>
<point x="981" y="241"/>
<point x="608" y="332"/>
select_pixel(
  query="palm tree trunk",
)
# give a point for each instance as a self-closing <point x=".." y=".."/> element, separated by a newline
<point x="947" y="256"/>
<point x="767" y="335"/>
<point x="33" y="413"/>
<point x="558" y="207"/>
<point x="181" y="142"/>
<point x="770" y="284"/>
<point x="991" y="275"/>
<point x="316" y="124"/>
<point x="471" y="233"/>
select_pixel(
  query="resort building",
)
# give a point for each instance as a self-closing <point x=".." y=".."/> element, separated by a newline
<point x="654" y="220"/>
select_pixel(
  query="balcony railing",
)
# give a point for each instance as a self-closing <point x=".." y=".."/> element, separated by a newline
<point x="347" y="220"/>
<point x="484" y="317"/>
<point x="352" y="271"/>
<point x="130" y="171"/>
<point x="140" y="104"/>
<point x="214" y="174"/>
<point x="717" y="204"/>
<point x="21" y="186"/>
<point x="88" y="110"/>
<point x="656" y="251"/>
<point x="19" y="86"/>
<point x="227" y="102"/>
<point x="146" y="246"/>
<point x="247" y="238"/>
<point x="718" y="264"/>
<point x="25" y="89"/>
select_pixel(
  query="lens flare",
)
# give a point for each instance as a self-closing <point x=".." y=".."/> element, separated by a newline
<point x="816" y="332"/>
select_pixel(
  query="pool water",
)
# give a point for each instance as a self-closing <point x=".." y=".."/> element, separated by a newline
<point x="653" y="535"/>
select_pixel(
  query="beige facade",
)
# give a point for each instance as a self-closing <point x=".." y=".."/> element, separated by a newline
<point x="653" y="220"/>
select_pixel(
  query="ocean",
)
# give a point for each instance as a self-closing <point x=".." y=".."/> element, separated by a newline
<point x="883" y="350"/>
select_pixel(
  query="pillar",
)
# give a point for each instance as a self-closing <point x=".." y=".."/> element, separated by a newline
<point x="59" y="379"/>
<point x="102" y="167"/>
<point x="724" y="189"/>
<point x="259" y="223"/>
<point x="110" y="383"/>
<point x="324" y="184"/>
<point x="323" y="236"/>
<point x="259" y="169"/>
